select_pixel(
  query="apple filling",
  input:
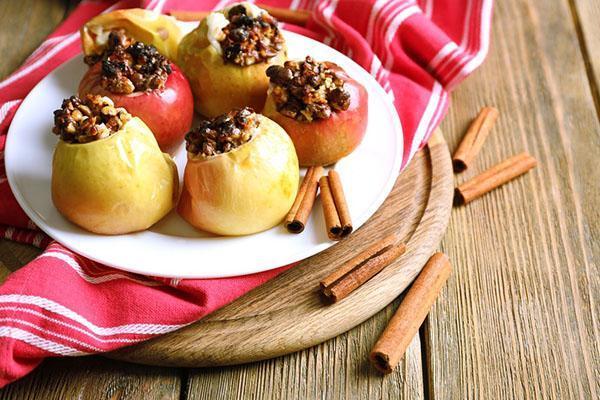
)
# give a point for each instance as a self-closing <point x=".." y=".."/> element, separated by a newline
<point x="244" y="34"/>
<point x="129" y="66"/>
<point x="91" y="118"/>
<point x="223" y="133"/>
<point x="307" y="90"/>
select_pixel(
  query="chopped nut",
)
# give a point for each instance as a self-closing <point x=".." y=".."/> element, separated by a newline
<point x="223" y="133"/>
<point x="307" y="90"/>
<point x="129" y="66"/>
<point x="250" y="39"/>
<point x="85" y="120"/>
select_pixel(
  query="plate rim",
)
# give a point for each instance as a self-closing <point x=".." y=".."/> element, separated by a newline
<point x="299" y="256"/>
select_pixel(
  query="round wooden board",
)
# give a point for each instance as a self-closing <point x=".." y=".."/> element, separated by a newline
<point x="287" y="314"/>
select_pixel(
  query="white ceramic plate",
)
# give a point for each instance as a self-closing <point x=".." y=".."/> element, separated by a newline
<point x="172" y="248"/>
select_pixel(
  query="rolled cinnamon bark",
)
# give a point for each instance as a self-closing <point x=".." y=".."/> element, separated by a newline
<point x="493" y="178"/>
<point x="363" y="272"/>
<point x="332" y="220"/>
<point x="474" y="138"/>
<point x="362" y="257"/>
<point x="296" y="218"/>
<point x="335" y="184"/>
<point x="405" y="323"/>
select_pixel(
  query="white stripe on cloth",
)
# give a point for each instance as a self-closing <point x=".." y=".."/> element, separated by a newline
<point x="52" y="306"/>
<point x="71" y="262"/>
<point x="42" y="49"/>
<point x="441" y="55"/>
<point x="39" y="342"/>
<point x="424" y="123"/>
<point x="379" y="4"/>
<point x="393" y="27"/>
<point x="38" y="239"/>
<point x="47" y="333"/>
<point x="40" y="61"/>
<point x="484" y="41"/>
<point x="294" y="4"/>
<point x="67" y="325"/>
<point x="5" y="109"/>
<point x="9" y="232"/>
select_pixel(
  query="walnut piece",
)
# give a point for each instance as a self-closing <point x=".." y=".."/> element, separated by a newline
<point x="129" y="66"/>
<point x="307" y="90"/>
<point x="85" y="120"/>
<point x="223" y="133"/>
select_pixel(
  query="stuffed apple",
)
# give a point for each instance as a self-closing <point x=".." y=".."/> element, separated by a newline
<point x="322" y="109"/>
<point x="143" y="81"/>
<point x="241" y="176"/>
<point x="225" y="58"/>
<point x="108" y="173"/>
<point x="149" y="27"/>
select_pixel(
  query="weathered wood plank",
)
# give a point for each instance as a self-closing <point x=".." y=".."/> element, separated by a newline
<point x="520" y="317"/>
<point x="587" y="14"/>
<point x="95" y="378"/>
<point x="24" y="25"/>
<point x="336" y="369"/>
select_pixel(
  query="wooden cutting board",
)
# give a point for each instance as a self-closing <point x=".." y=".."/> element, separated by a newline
<point x="286" y="314"/>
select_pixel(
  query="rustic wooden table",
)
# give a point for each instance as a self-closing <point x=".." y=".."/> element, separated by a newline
<point x="519" y="317"/>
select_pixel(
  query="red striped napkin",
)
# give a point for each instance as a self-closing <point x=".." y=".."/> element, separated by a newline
<point x="62" y="304"/>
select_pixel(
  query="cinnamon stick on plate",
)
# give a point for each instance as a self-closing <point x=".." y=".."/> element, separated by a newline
<point x="493" y="178"/>
<point x="298" y="215"/>
<point x="359" y="269"/>
<point x="335" y="207"/>
<point x="405" y="323"/>
<point x="474" y="138"/>
<point x="297" y="17"/>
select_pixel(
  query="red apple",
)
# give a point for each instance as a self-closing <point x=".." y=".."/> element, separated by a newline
<point x="323" y="142"/>
<point x="168" y="112"/>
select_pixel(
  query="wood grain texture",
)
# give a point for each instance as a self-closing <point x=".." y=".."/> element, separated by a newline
<point x="95" y="378"/>
<point x="286" y="314"/>
<point x="336" y="369"/>
<point x="586" y="17"/>
<point x="25" y="24"/>
<point x="520" y="317"/>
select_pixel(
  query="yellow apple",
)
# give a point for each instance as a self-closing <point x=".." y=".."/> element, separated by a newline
<point x="117" y="185"/>
<point x="217" y="86"/>
<point x="144" y="26"/>
<point x="246" y="190"/>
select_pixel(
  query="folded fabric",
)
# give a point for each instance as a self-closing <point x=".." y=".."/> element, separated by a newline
<point x="62" y="304"/>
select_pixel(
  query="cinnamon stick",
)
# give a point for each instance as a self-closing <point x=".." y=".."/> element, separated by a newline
<point x="493" y="178"/>
<point x="298" y="215"/>
<point x="474" y="138"/>
<point x="361" y="268"/>
<point x="405" y="323"/>
<point x="360" y="258"/>
<point x="335" y="184"/>
<point x="297" y="17"/>
<point x="332" y="220"/>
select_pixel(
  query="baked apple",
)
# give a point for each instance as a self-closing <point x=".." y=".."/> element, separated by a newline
<point x="322" y="109"/>
<point x="241" y="176"/>
<point x="225" y="58"/>
<point x="149" y="27"/>
<point x="108" y="173"/>
<point x="141" y="80"/>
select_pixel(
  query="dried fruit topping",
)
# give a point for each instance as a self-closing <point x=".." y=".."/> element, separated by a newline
<point x="250" y="37"/>
<point x="307" y="90"/>
<point x="85" y="120"/>
<point x="223" y="133"/>
<point x="129" y="66"/>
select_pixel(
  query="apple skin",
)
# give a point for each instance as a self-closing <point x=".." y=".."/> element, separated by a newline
<point x="168" y="112"/>
<point x="219" y="87"/>
<point x="117" y="185"/>
<point x="323" y="142"/>
<point x="244" y="191"/>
